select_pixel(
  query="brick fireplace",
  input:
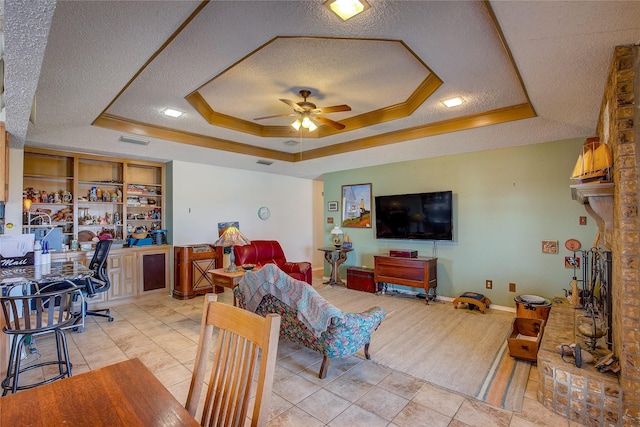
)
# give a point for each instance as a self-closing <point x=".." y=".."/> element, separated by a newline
<point x="586" y="395"/>
<point x="618" y="118"/>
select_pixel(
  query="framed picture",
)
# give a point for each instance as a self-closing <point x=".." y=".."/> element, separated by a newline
<point x="571" y="262"/>
<point x="549" y="246"/>
<point x="332" y="206"/>
<point x="356" y="205"/>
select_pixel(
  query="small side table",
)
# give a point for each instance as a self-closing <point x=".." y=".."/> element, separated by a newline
<point x="219" y="277"/>
<point x="335" y="257"/>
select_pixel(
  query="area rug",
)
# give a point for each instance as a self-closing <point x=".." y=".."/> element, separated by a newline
<point x="458" y="349"/>
<point x="505" y="382"/>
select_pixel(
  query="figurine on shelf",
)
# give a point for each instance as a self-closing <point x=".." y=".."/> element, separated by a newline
<point x="43" y="197"/>
<point x="56" y="197"/>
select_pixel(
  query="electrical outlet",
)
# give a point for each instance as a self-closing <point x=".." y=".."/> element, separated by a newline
<point x="512" y="287"/>
<point x="583" y="220"/>
<point x="489" y="284"/>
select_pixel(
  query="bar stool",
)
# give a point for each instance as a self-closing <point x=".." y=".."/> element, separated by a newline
<point x="48" y="310"/>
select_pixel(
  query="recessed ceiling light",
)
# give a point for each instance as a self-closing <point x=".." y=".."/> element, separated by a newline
<point x="171" y="112"/>
<point x="346" y="9"/>
<point x="453" y="102"/>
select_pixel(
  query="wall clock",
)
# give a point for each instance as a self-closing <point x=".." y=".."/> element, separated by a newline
<point x="264" y="213"/>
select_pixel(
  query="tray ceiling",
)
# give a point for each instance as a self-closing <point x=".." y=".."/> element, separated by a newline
<point x="528" y="72"/>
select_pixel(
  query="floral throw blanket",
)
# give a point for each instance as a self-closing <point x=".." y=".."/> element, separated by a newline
<point x="313" y="310"/>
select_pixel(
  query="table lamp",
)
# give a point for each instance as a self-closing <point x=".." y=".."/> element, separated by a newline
<point x="230" y="238"/>
<point x="336" y="234"/>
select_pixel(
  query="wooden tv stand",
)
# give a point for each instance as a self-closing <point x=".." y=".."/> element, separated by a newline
<point x="419" y="272"/>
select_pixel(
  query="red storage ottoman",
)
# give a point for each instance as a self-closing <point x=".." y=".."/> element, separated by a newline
<point x="361" y="279"/>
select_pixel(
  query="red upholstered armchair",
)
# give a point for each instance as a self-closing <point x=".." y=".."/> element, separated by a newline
<point x="261" y="252"/>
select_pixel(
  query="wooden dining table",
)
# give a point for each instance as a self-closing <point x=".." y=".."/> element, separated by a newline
<point x="123" y="394"/>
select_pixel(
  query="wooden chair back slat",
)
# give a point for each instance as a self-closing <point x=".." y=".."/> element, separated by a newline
<point x="243" y="338"/>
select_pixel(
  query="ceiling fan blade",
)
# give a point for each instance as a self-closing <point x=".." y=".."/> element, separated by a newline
<point x="273" y="117"/>
<point x="293" y="105"/>
<point x="329" y="122"/>
<point x="334" y="109"/>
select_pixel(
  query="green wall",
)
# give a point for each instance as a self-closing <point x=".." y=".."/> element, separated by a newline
<point x="506" y="201"/>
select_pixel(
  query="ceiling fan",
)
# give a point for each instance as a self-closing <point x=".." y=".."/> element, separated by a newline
<point x="308" y="114"/>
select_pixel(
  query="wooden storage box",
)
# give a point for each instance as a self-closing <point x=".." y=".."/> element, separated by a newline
<point x="524" y="341"/>
<point x="361" y="279"/>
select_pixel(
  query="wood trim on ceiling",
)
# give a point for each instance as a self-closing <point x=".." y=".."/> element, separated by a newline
<point x="175" y="34"/>
<point x="501" y="115"/>
<point x="426" y="88"/>
<point x="125" y="125"/>
<point x="507" y="49"/>
<point x="403" y="109"/>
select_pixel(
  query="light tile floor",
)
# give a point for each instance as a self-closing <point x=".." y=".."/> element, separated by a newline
<point x="163" y="333"/>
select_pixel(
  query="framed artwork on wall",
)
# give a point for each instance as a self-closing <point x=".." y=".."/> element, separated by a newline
<point x="332" y="206"/>
<point x="571" y="262"/>
<point x="356" y="205"/>
<point x="549" y="246"/>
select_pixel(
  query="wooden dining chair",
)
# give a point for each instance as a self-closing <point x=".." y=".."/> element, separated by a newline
<point x="242" y="337"/>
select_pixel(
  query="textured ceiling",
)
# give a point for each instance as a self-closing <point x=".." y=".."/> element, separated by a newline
<point x="529" y="72"/>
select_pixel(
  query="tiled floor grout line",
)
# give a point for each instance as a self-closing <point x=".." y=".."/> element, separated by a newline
<point x="427" y="404"/>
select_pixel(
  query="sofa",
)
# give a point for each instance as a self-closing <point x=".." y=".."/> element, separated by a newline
<point x="306" y="317"/>
<point x="261" y="252"/>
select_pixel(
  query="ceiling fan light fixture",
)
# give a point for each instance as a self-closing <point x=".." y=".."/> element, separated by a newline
<point x="452" y="102"/>
<point x="306" y="122"/>
<point x="347" y="9"/>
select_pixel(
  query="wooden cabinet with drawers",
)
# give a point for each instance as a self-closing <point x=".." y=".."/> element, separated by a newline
<point x="418" y="272"/>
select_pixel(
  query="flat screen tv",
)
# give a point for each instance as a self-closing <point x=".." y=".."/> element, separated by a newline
<point x="420" y="216"/>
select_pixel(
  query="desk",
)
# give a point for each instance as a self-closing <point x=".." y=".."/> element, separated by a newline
<point x="58" y="271"/>
<point x="124" y="394"/>
<point x="42" y="274"/>
<point x="335" y="257"/>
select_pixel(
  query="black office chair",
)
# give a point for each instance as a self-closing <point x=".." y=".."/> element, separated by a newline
<point x="99" y="281"/>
